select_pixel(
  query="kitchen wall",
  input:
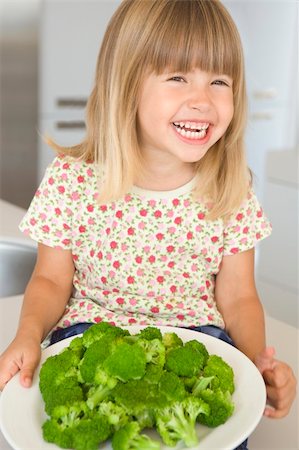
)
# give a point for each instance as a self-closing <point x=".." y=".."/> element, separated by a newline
<point x="41" y="64"/>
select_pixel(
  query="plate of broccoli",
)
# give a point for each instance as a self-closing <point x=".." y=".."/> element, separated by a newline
<point x="135" y="388"/>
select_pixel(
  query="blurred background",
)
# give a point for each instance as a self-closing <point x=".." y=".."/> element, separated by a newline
<point x="48" y="50"/>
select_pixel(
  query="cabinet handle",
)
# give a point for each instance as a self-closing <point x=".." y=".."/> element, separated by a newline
<point x="71" y="102"/>
<point x="70" y="125"/>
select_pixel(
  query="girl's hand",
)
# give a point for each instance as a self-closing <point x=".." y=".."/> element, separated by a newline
<point x="280" y="383"/>
<point x="23" y="355"/>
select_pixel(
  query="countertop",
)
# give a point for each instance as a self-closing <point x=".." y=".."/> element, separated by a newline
<point x="270" y="434"/>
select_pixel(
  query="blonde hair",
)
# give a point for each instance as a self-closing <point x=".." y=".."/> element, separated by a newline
<point x="152" y="35"/>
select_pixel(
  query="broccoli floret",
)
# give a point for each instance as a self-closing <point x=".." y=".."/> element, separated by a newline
<point x="153" y="373"/>
<point x="201" y="384"/>
<point x="154" y="350"/>
<point x="77" y="346"/>
<point x="172" y="387"/>
<point x="222" y="373"/>
<point x="65" y="393"/>
<point x="150" y="333"/>
<point x="92" y="363"/>
<point x="200" y="348"/>
<point x="97" y="393"/>
<point x="129" y="438"/>
<point x="115" y="414"/>
<point x="184" y="361"/>
<point x="171" y="340"/>
<point x="57" y="368"/>
<point x="99" y="330"/>
<point x="73" y="427"/>
<point x="221" y="407"/>
<point x="126" y="362"/>
<point x="177" y="422"/>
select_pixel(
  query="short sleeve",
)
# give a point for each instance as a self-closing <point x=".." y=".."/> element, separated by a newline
<point x="246" y="227"/>
<point x="49" y="217"/>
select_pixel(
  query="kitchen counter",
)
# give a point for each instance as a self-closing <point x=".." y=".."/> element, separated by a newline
<point x="269" y="435"/>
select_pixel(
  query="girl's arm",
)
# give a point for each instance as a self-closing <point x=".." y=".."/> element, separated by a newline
<point x="238" y="302"/>
<point x="45" y="299"/>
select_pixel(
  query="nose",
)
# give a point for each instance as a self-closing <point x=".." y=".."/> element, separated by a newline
<point x="199" y="99"/>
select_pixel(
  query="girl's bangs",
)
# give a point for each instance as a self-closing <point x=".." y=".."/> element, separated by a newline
<point x="195" y="37"/>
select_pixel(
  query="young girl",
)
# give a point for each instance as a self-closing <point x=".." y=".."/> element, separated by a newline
<point x="152" y="219"/>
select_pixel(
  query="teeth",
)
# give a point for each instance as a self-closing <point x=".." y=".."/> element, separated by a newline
<point x="185" y="129"/>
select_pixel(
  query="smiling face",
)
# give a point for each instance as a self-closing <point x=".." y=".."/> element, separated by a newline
<point x="182" y="115"/>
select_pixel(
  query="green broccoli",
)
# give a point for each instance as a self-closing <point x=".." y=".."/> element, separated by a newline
<point x="171" y="340"/>
<point x="154" y="350"/>
<point x="184" y="361"/>
<point x="222" y="373"/>
<point x="221" y="407"/>
<point x="201" y="384"/>
<point x="126" y="362"/>
<point x="200" y="348"/>
<point x="73" y="427"/>
<point x="129" y="438"/>
<point x="176" y="422"/>
<point x="172" y="387"/>
<point x="150" y="333"/>
<point x="115" y="414"/>
<point x="99" y="330"/>
<point x="153" y="373"/>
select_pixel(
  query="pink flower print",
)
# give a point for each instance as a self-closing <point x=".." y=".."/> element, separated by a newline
<point x="103" y="208"/>
<point x="160" y="279"/>
<point x="237" y="228"/>
<point x="170" y="213"/>
<point x="57" y="211"/>
<point x="89" y="172"/>
<point x="157" y="214"/>
<point x="204" y="251"/>
<point x="32" y="222"/>
<point x="180" y="317"/>
<point x="116" y="264"/>
<point x="90" y="208"/>
<point x="198" y="228"/>
<point x="201" y="215"/>
<point x="194" y="267"/>
<point x="133" y="301"/>
<point x="240" y="216"/>
<point x="234" y="250"/>
<point x="191" y="313"/>
<point x="66" y="227"/>
<point x="220" y="249"/>
<point x="64" y="177"/>
<point x="104" y="280"/>
<point x="45" y="228"/>
<point x="113" y="245"/>
<point x="128" y="198"/>
<point x="124" y="247"/>
<point x="75" y="195"/>
<point x="58" y="233"/>
<point x="173" y="288"/>
<point x="131" y="231"/>
<point x="61" y="189"/>
<point x="152" y="203"/>
<point x="82" y="229"/>
<point x="120" y="300"/>
<point x="249" y="211"/>
<point x="155" y="309"/>
<point x="91" y="221"/>
<point x="69" y="212"/>
<point x="43" y="216"/>
<point x="66" y="166"/>
<point x="214" y="239"/>
<point x="138" y="259"/>
<point x="171" y="230"/>
<point x="169" y="306"/>
<point x="100" y="255"/>
<point x="189" y="235"/>
<point x="143" y="212"/>
<point x="170" y="248"/>
<point x="175" y="202"/>
<point x="51" y="181"/>
<point x="131" y="280"/>
<point x="171" y="264"/>
<point x="152" y="259"/>
<point x="97" y="319"/>
<point x="111" y="274"/>
<point x="119" y="214"/>
<point x="80" y="179"/>
<point x="159" y="236"/>
<point x="258" y="235"/>
<point x="244" y="241"/>
<point x="132" y="321"/>
<point x="140" y="272"/>
<point x="186" y="275"/>
<point x="204" y="298"/>
<point x="141" y="225"/>
<point x="78" y="243"/>
<point x="178" y="220"/>
<point x="245" y="230"/>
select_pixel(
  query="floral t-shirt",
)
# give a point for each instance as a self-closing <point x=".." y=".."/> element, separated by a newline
<point x="148" y="259"/>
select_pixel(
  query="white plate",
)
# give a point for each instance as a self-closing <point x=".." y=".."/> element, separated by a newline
<point x="22" y="410"/>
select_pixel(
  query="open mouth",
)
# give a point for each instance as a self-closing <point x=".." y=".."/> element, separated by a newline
<point x="191" y="130"/>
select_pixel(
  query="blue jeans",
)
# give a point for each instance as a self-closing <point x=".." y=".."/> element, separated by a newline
<point x="211" y="330"/>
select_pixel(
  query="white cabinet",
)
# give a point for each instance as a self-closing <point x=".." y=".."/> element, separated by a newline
<point x="71" y="32"/>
